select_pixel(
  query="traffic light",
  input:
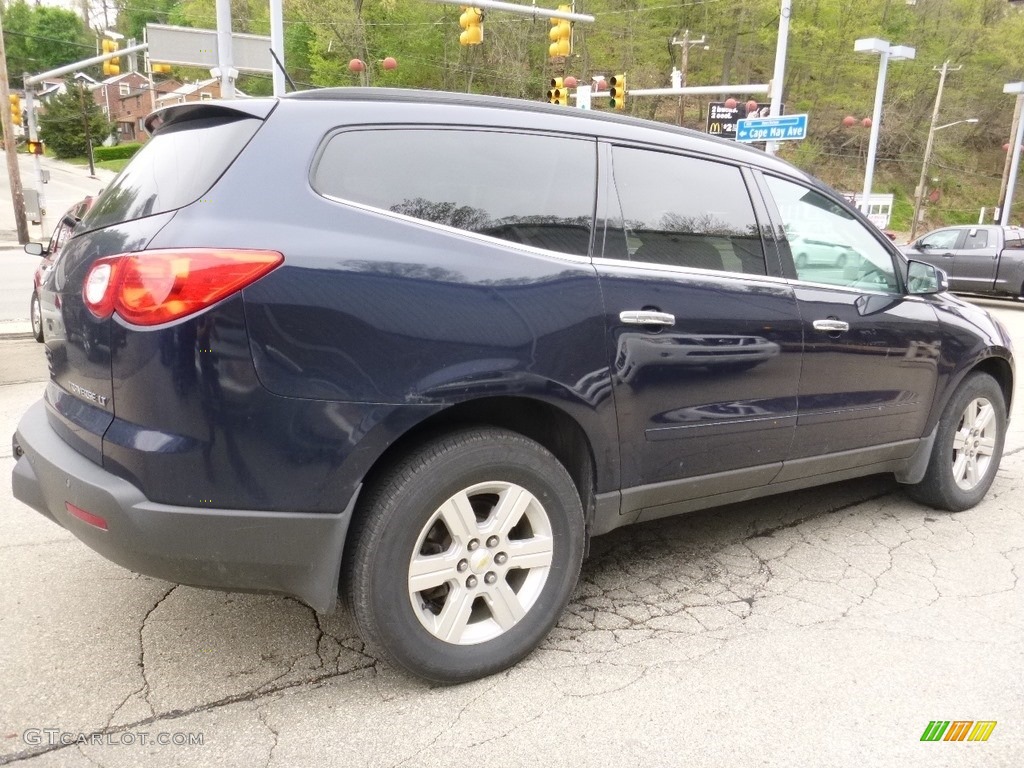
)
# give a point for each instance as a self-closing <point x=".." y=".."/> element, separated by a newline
<point x="15" y="108"/>
<point x="111" y="66"/>
<point x="560" y="35"/>
<point x="618" y="92"/>
<point x="34" y="147"/>
<point x="558" y="94"/>
<point x="159" y="69"/>
<point x="471" y="21"/>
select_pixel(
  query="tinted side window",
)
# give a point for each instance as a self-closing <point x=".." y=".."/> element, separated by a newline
<point x="685" y="212"/>
<point x="526" y="188"/>
<point x="944" y="238"/>
<point x="828" y="244"/>
<point x="976" y="239"/>
<point x="173" y="169"/>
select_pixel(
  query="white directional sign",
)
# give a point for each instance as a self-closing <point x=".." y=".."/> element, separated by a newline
<point x="783" y="128"/>
<point x="198" y="47"/>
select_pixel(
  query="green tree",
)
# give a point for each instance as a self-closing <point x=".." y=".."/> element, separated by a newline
<point x="41" y="38"/>
<point x="132" y="17"/>
<point x="62" y="126"/>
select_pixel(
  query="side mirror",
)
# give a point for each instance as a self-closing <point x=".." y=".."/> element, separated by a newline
<point x="925" y="279"/>
<point x="34" y="249"/>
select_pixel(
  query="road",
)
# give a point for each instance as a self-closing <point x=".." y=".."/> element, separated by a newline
<point x="68" y="184"/>
<point x="825" y="627"/>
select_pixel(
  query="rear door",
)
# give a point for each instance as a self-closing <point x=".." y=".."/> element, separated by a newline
<point x="975" y="260"/>
<point x="704" y="337"/>
<point x="871" y="354"/>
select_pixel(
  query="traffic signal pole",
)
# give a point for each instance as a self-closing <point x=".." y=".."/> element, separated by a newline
<point x="33" y="132"/>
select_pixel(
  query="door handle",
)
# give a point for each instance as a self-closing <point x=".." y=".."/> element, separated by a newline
<point x="646" y="317"/>
<point x="831" y="325"/>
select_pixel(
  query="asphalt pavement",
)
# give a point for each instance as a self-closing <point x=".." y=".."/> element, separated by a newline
<point x="824" y="627"/>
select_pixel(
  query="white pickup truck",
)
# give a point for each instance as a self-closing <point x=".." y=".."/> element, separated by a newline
<point x="977" y="259"/>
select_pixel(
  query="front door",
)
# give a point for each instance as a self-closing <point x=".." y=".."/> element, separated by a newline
<point x="704" y="345"/>
<point x="871" y="354"/>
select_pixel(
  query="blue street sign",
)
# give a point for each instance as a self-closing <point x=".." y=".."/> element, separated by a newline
<point x="784" y="128"/>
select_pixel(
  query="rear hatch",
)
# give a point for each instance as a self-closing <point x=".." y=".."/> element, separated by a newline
<point x="192" y="146"/>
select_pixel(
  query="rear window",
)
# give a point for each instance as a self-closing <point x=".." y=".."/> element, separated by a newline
<point x="531" y="189"/>
<point x="173" y="169"/>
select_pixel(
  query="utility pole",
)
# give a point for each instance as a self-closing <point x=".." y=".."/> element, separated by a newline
<point x="13" y="171"/>
<point x="919" y="192"/>
<point x="684" y="63"/>
<point x="1003" y="186"/>
<point x="88" y="132"/>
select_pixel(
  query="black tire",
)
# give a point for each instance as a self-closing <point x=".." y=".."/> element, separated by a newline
<point x="404" y="521"/>
<point x="36" y="316"/>
<point x="957" y="446"/>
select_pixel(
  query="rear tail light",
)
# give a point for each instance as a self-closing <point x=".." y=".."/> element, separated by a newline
<point x="154" y="287"/>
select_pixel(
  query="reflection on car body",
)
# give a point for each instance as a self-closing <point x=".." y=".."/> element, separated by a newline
<point x="723" y="353"/>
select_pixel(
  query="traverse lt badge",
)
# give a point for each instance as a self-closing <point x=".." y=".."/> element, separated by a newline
<point x="87" y="394"/>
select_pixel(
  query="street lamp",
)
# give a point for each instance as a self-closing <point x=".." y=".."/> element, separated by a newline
<point x="919" y="192"/>
<point x="886" y="52"/>
<point x="1011" y="181"/>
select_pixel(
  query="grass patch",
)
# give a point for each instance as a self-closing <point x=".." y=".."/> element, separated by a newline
<point x="114" y="165"/>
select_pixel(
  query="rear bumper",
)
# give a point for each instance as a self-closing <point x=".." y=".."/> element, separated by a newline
<point x="296" y="554"/>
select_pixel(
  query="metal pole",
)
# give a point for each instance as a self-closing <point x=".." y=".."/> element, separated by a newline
<point x="524" y="10"/>
<point x="876" y="119"/>
<point x="780" y="68"/>
<point x="277" y="44"/>
<point x="33" y="135"/>
<point x="919" y="192"/>
<point x="1011" y="182"/>
<point x="224" y="58"/>
<point x="78" y="65"/>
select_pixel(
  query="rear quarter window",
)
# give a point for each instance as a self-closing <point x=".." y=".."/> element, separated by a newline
<point x="175" y="168"/>
<point x="531" y="189"/>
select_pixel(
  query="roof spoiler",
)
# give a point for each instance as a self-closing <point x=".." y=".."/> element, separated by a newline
<point x="194" y="110"/>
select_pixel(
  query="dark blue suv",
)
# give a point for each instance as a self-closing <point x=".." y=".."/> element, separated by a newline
<point x="420" y="347"/>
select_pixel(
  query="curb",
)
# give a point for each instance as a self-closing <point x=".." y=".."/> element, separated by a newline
<point x="15" y="329"/>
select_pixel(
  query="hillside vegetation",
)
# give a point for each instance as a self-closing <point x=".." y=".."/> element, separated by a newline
<point x="824" y="77"/>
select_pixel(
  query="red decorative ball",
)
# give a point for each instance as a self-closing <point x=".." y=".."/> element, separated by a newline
<point x="356" y="65"/>
<point x="389" y="63"/>
<point x="569" y="82"/>
<point x="866" y="122"/>
<point x="730" y="103"/>
<point x="751" y="106"/>
<point x="849" y="121"/>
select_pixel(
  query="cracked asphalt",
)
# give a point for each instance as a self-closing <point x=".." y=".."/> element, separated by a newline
<point x="824" y="627"/>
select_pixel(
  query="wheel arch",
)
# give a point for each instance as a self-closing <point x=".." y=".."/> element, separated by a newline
<point x="998" y="368"/>
<point x="543" y="422"/>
